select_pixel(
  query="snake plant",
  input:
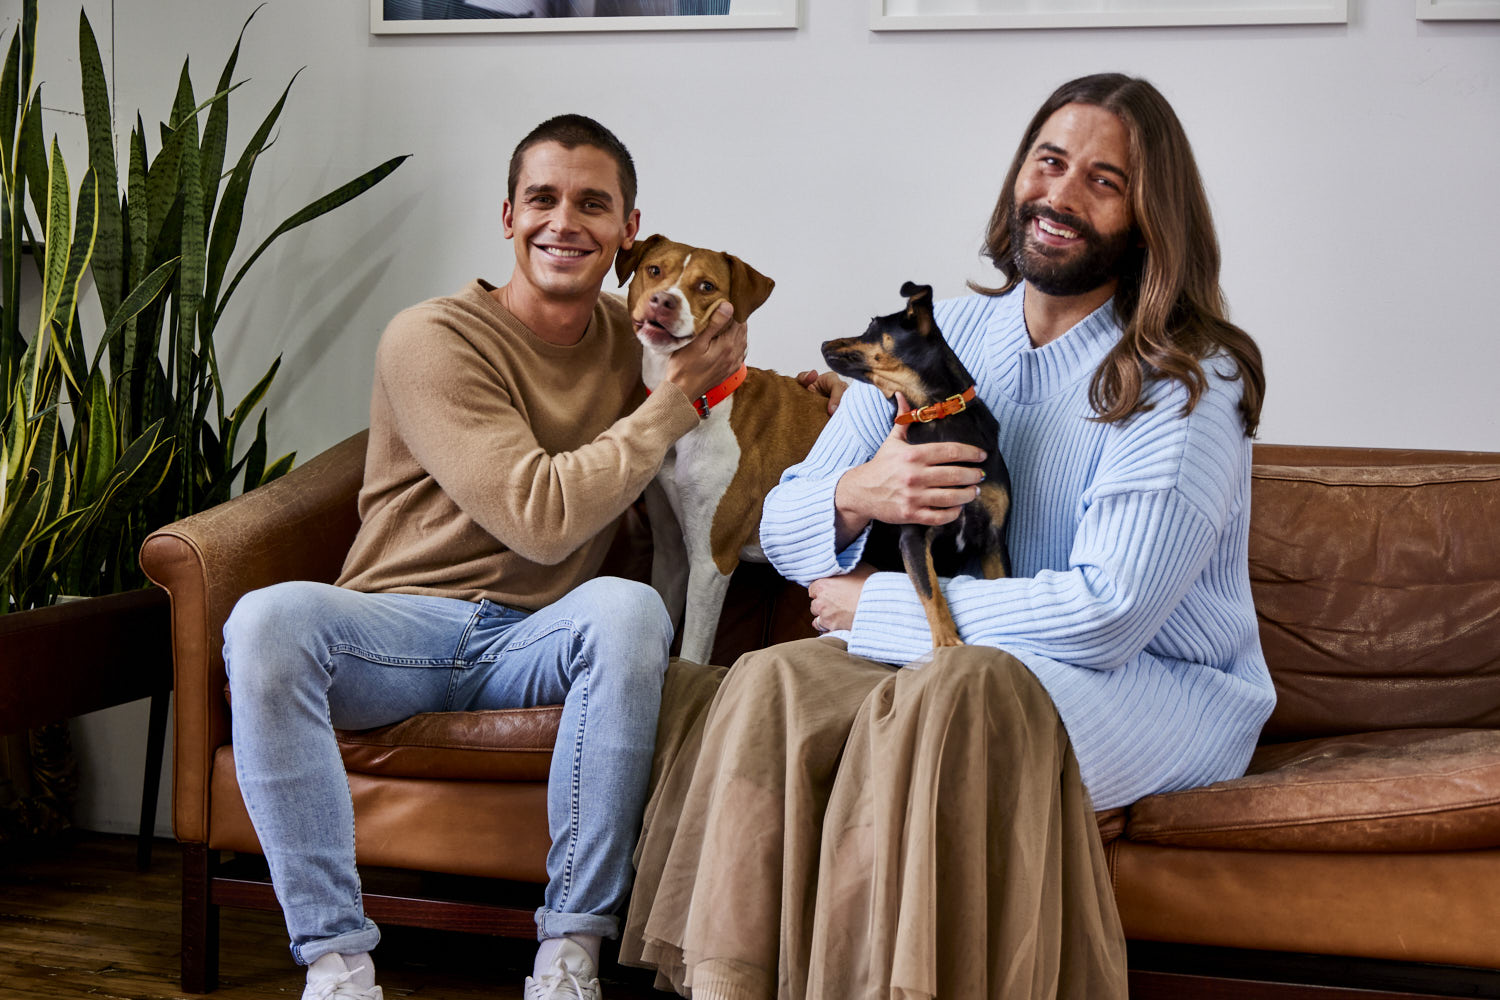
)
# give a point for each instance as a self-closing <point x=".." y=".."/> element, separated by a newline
<point x="109" y="433"/>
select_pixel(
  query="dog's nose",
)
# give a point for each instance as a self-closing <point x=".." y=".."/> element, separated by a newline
<point x="663" y="301"/>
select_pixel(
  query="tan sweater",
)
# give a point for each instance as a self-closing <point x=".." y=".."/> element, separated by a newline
<point x="498" y="464"/>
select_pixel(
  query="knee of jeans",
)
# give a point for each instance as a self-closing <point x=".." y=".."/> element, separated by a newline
<point x="264" y="639"/>
<point x="633" y="605"/>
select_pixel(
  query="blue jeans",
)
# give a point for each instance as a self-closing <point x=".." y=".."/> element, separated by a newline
<point x="306" y="658"/>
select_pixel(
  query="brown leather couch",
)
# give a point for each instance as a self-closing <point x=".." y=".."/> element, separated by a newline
<point x="1361" y="851"/>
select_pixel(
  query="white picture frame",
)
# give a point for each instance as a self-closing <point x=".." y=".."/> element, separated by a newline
<point x="930" y="15"/>
<point x="1458" y="10"/>
<point x="400" y="17"/>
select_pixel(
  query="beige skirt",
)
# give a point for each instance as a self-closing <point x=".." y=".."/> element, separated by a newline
<point x="822" y="826"/>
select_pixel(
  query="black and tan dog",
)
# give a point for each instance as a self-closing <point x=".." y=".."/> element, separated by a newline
<point x="905" y="352"/>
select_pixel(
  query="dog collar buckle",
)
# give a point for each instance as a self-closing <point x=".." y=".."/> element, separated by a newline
<point x="956" y="403"/>
<point x="720" y="392"/>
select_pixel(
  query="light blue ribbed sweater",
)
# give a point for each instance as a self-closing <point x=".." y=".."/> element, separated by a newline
<point x="1130" y="598"/>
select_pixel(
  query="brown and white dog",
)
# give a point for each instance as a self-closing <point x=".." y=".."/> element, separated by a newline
<point x="756" y="424"/>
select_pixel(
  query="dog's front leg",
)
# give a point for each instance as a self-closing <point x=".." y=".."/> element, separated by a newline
<point x="705" y="599"/>
<point x="669" y="576"/>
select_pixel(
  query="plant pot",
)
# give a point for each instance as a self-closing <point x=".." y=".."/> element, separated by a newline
<point x="84" y="655"/>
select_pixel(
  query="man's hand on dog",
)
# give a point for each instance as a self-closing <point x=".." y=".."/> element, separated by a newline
<point x="906" y="483"/>
<point x="711" y="357"/>
<point x="828" y="383"/>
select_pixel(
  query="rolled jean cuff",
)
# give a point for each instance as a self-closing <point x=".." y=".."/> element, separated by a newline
<point x="348" y="943"/>
<point x="553" y="924"/>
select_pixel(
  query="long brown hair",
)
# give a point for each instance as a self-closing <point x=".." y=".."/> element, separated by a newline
<point x="1168" y="300"/>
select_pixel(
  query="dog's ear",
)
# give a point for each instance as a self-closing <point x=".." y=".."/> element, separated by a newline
<point x="626" y="261"/>
<point x="919" y="306"/>
<point x="748" y="288"/>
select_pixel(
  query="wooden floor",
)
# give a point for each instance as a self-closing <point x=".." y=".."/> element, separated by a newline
<point x="80" y="921"/>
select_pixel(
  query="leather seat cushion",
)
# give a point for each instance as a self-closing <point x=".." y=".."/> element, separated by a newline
<point x="1399" y="790"/>
<point x="502" y="745"/>
<point x="512" y="744"/>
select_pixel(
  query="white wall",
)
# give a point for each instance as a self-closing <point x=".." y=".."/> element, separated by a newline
<point x="1352" y="169"/>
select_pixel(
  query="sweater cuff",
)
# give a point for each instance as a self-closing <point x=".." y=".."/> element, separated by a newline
<point x="669" y="408"/>
<point x="890" y="625"/>
<point x="797" y="532"/>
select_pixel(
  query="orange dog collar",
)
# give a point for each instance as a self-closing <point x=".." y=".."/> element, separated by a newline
<point x="721" y="392"/>
<point x="937" y="411"/>
<point x="718" y="393"/>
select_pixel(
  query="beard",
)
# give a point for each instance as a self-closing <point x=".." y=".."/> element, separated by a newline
<point x="1101" y="258"/>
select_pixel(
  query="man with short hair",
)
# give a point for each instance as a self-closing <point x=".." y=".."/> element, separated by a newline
<point x="508" y="432"/>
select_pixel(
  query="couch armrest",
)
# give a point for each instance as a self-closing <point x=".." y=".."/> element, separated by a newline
<point x="297" y="528"/>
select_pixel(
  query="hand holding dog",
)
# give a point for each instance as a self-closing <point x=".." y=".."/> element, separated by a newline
<point x="906" y="483"/>
<point x="711" y="357"/>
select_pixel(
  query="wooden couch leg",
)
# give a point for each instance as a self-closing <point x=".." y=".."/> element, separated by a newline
<point x="200" y="921"/>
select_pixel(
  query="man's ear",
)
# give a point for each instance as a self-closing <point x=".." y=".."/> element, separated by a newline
<point x="919" y="306"/>
<point x="748" y="288"/>
<point x="626" y="261"/>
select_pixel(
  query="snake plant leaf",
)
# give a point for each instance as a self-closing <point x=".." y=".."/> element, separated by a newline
<point x="248" y="404"/>
<point x="57" y="474"/>
<point x="141" y="296"/>
<point x="109" y="255"/>
<point x="255" y="458"/>
<point x="59" y="216"/>
<point x="10" y="105"/>
<point x="161" y="182"/>
<point x="36" y="364"/>
<point x="28" y="42"/>
<point x="32" y="154"/>
<point x="100" y="445"/>
<point x="216" y="131"/>
<point x="320" y="206"/>
<point x="10" y="223"/>
<point x="277" y="469"/>
<point x="18" y="520"/>
<point x="68" y="340"/>
<point x="40" y="447"/>
<point x="139" y="473"/>
<point x="125" y="359"/>
<point x="16" y="442"/>
<point x="210" y="448"/>
<point x="191" y="239"/>
<point x="227" y="222"/>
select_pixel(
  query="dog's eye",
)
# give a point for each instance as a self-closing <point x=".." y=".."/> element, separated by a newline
<point x="707" y="286"/>
<point x="653" y="270"/>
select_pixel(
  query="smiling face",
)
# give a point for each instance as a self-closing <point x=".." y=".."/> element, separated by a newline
<point x="1072" y="226"/>
<point x="568" y="220"/>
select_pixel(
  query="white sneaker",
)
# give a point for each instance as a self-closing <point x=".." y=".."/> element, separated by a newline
<point x="571" y="976"/>
<point x="331" y="979"/>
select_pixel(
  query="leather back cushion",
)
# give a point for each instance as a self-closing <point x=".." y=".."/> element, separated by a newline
<point x="1378" y="591"/>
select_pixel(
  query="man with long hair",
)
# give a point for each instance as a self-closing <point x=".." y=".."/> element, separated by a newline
<point x="833" y="825"/>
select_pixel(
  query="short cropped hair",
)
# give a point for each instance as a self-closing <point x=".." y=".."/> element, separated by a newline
<point x="570" y="132"/>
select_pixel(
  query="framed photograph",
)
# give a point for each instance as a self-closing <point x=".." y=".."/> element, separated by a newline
<point x="1458" y="10"/>
<point x="903" y="15"/>
<point x="392" y="17"/>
